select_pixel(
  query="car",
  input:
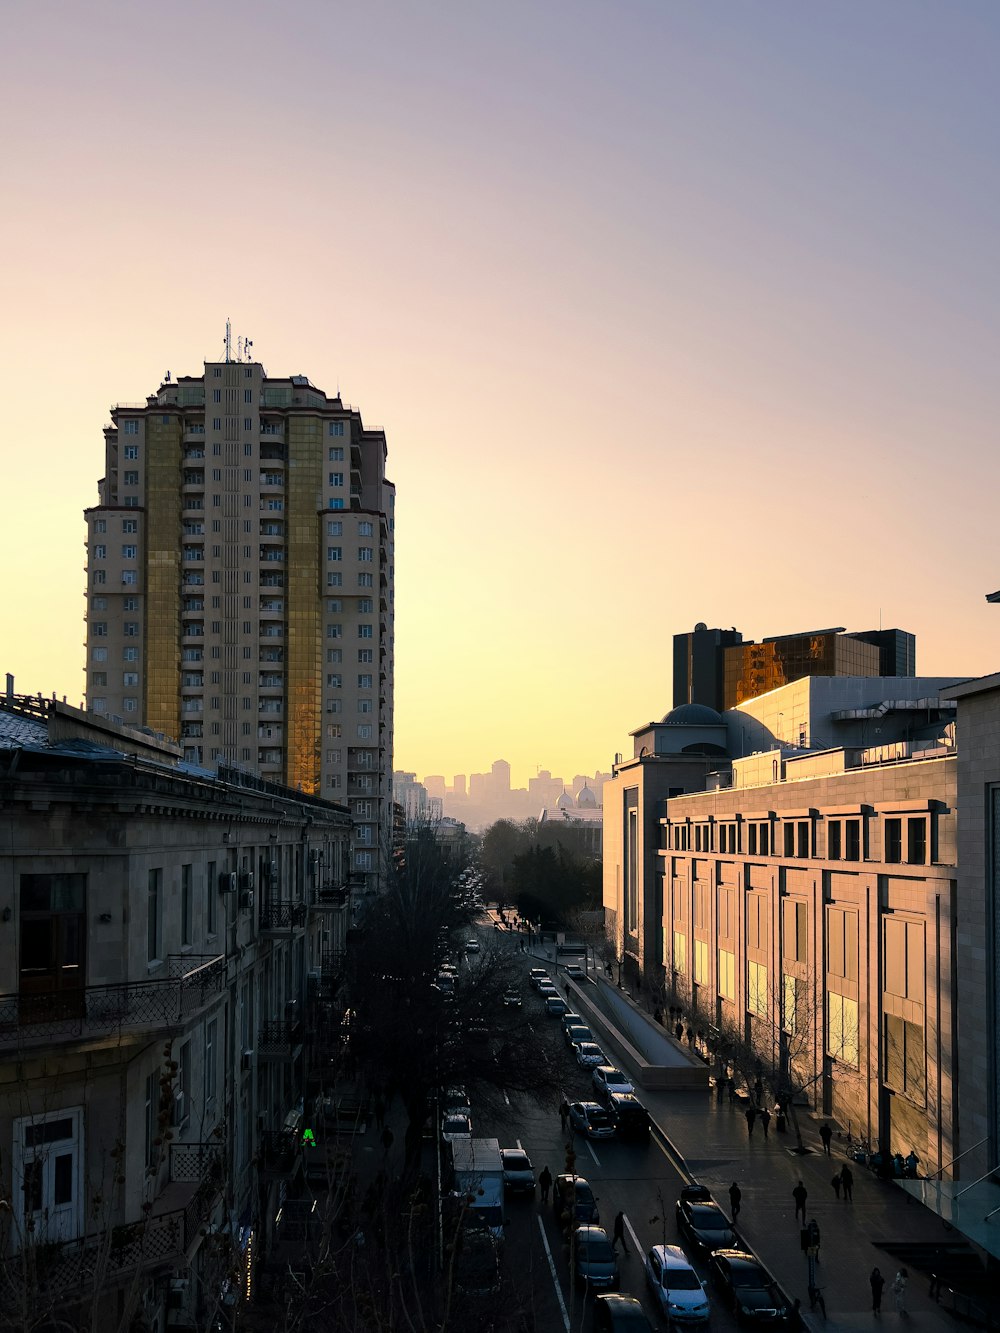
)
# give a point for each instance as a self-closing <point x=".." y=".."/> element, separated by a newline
<point x="477" y="1261"/>
<point x="546" y="988"/>
<point x="511" y="999"/>
<point x="607" y="1079"/>
<point x="570" y="1018"/>
<point x="591" y="1120"/>
<point x="555" y="1006"/>
<point x="518" y="1173"/>
<point x="618" y="1313"/>
<point x="454" y="1096"/>
<point x="748" y="1288"/>
<point x="630" y="1116"/>
<point x="679" y="1291"/>
<point x="536" y="975"/>
<point x="594" y="1262"/>
<point x="472" y="946"/>
<point x="576" y="971"/>
<point x="455" y="1125"/>
<point x="702" y="1223"/>
<point x="573" y="1198"/>
<point x="577" y="1032"/>
<point x="589" y="1055"/>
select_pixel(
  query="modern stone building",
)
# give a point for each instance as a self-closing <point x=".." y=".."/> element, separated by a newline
<point x="170" y="938"/>
<point x="751" y="669"/>
<point x="240" y="577"/>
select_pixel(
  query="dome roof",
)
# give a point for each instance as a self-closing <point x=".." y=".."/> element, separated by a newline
<point x="565" y="801"/>
<point x="586" y="800"/>
<point x="692" y="715"/>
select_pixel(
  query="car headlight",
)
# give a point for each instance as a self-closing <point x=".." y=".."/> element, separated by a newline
<point x="745" y="1309"/>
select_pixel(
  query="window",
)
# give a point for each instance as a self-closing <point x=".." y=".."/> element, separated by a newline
<point x="365" y="580"/>
<point x="336" y="428"/>
<point x="335" y="502"/>
<point x="334" y="631"/>
<point x="366" y="554"/>
<point x="334" y="606"/>
<point x="131" y="629"/>
<point x="130" y="427"/>
<point x="130" y="525"/>
<point x="336" y="478"/>
<point x="727" y="974"/>
<point x="364" y="731"/>
<point x="701" y="963"/>
<point x="903" y="961"/>
<point x="216" y="395"/>
<point x="129" y="552"/>
<point x="365" y="655"/>
<point x="365" y="681"/>
<point x="99" y="705"/>
<point x="99" y="678"/>
<point x="788" y="830"/>
<point x="216" y="422"/>
<point x="757" y="989"/>
<point x="99" y="655"/>
<point x="154" y="908"/>
<point x="893" y="848"/>
<point x="98" y="603"/>
<point x="335" y="528"/>
<point x="211" y="1045"/>
<point x="365" y="705"/>
<point x="795" y="930"/>
<point x="365" y="529"/>
<point x="186" y="904"/>
<point x="132" y="654"/>
<point x="680" y="951"/>
<point x="129" y="578"/>
<point x="916" y="841"/>
<point x="803" y="837"/>
<point x="182" y="1086"/>
<point x="100" y="578"/>
<point x="130" y="678"/>
<point x="852" y="839"/>
<point x="842" y="943"/>
<point x="334" y="681"/>
<point x="131" y="452"/>
<point x="248" y="395"/>
<point x="334" y="655"/>
<point x="99" y="629"/>
<point x="130" y="705"/>
<point x="903" y="1062"/>
<point x="834" y="839"/>
<point x="130" y="478"/>
<point x="842" y="1036"/>
<point x="366" y="607"/>
<point x="152" y="1120"/>
<point x="335" y="580"/>
<point x="364" y="631"/>
<point x="334" y="553"/>
<point x="100" y="552"/>
<point x="101" y="525"/>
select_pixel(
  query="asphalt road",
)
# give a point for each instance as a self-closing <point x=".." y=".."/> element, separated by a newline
<point x="641" y="1180"/>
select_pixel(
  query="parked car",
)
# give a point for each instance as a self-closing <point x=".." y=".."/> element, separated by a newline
<point x="618" y="1313"/>
<point x="591" y="1120"/>
<point x="630" y="1116"/>
<point x="546" y="988"/>
<point x="594" y="1262"/>
<point x="577" y="1032"/>
<point x="589" y="1055"/>
<point x="575" y="970"/>
<point x="555" y="1006"/>
<point x="477" y="1262"/>
<point x="570" y="1018"/>
<point x="607" y="1079"/>
<point x="511" y="999"/>
<point x="456" y="1126"/>
<point x="472" y="946"/>
<point x="518" y="1173"/>
<point x="456" y="1099"/>
<point x="702" y="1223"/>
<point x="679" y="1291"/>
<point x="536" y="975"/>
<point x="573" y="1195"/>
<point x="748" y="1288"/>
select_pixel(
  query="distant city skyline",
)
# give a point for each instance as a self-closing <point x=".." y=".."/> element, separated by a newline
<point x="479" y="799"/>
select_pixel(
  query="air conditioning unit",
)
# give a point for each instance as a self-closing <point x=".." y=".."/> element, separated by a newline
<point x="246" y="880"/>
<point x="246" y="900"/>
<point x="227" y="881"/>
<point x="246" y="1061"/>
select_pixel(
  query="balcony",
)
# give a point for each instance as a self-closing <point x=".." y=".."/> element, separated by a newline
<point x="280" y="917"/>
<point x="89" y="1012"/>
<point x="280" y="1040"/>
<point x="280" y="1153"/>
<point x="330" y="896"/>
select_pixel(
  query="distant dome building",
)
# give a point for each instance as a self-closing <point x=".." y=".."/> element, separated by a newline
<point x="565" y="801"/>
<point x="586" y="800"/>
<point x="692" y="715"/>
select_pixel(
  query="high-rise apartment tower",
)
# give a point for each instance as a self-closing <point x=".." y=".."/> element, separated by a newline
<point x="240" y="576"/>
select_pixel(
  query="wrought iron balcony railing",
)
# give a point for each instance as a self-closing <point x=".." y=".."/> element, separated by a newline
<point x="281" y="915"/>
<point x="88" y="1011"/>
<point x="279" y="1039"/>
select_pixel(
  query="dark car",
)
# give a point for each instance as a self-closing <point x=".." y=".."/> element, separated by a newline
<point x="619" y="1313"/>
<point x="572" y="1195"/>
<point x="630" y="1116"/>
<point x="702" y="1222"/>
<point x="577" y="1032"/>
<point x="591" y="1120"/>
<point x="748" y="1288"/>
<point x="594" y="1262"/>
<point x="477" y="1263"/>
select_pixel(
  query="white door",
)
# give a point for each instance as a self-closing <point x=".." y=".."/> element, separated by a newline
<point x="48" y="1160"/>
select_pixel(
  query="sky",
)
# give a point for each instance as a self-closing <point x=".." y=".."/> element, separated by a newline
<point x="671" y="312"/>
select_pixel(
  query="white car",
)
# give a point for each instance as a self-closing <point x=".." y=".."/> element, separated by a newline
<point x="456" y="1126"/>
<point x="589" y="1055"/>
<point x="607" y="1079"/>
<point x="679" y="1291"/>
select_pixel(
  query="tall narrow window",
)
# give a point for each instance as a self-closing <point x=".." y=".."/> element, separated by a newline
<point x="186" y="905"/>
<point x="211" y="889"/>
<point x="154" y="906"/>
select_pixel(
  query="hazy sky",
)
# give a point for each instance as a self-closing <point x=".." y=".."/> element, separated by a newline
<point x="670" y="311"/>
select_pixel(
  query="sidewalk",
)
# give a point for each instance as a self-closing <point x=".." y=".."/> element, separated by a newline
<point x="712" y="1140"/>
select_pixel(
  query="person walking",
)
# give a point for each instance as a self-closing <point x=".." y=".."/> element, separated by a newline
<point x="836" y="1182"/>
<point x="899" y="1290"/>
<point x="679" y="1030"/>
<point x="751" y="1115"/>
<point x="826" y="1134"/>
<point x="847" y="1180"/>
<point x="800" y="1194"/>
<point x="545" y="1183"/>
<point x="765" y="1120"/>
<point x="563" y="1114"/>
<point x="735" y="1195"/>
<point x="618" y="1234"/>
<point x="877" y="1282"/>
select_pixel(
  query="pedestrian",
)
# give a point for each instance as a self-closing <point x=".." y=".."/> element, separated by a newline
<point x="751" y="1115"/>
<point x="758" y="1091"/>
<point x="618" y="1233"/>
<point x="877" y="1282"/>
<point x="690" y="1036"/>
<point x="899" y="1290"/>
<point x="826" y="1134"/>
<point x="847" y="1180"/>
<point x="657" y="1015"/>
<point x="732" y="1091"/>
<point x="836" y="1182"/>
<point x="563" y="1114"/>
<point x="800" y="1194"/>
<point x="679" y="1030"/>
<point x="545" y="1183"/>
<point x="765" y="1120"/>
<point x="387" y="1137"/>
<point x="735" y="1195"/>
<point x="720" y="1086"/>
<point x="607" y="969"/>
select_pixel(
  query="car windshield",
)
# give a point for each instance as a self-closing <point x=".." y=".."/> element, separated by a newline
<point x="748" y="1275"/>
<point x="708" y="1219"/>
<point x="584" y="1194"/>
<point x="457" y="1124"/>
<point x="596" y="1251"/>
<point x="598" y="1118"/>
<point x="681" y="1279"/>
<point x="614" y="1076"/>
<point x="516" y="1161"/>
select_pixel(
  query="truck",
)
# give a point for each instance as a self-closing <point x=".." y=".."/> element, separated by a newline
<point x="478" y="1171"/>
